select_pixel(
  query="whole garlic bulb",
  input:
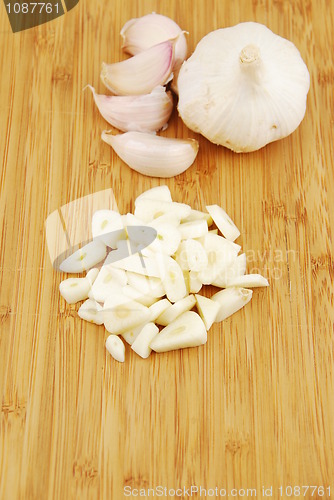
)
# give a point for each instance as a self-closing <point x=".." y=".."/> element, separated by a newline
<point x="243" y="87"/>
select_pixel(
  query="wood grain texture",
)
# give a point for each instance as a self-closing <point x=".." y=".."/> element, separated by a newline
<point x="252" y="407"/>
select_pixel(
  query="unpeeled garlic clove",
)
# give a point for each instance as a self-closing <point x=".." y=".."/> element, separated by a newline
<point x="141" y="73"/>
<point x="142" y="113"/>
<point x="142" y="33"/>
<point x="153" y="155"/>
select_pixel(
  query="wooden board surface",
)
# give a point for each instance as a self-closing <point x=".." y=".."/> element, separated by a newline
<point x="253" y="407"/>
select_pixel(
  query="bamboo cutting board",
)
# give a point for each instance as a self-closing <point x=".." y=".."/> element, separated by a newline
<point x="252" y="408"/>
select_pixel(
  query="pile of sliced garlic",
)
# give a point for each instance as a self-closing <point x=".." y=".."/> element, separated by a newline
<point x="155" y="264"/>
<point x="141" y="105"/>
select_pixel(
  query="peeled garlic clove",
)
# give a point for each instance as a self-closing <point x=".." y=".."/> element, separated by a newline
<point x="142" y="113"/>
<point x="152" y="155"/>
<point x="142" y="33"/>
<point x="84" y="258"/>
<point x="141" y="73"/>
<point x="231" y="300"/>
<point x="243" y="87"/>
<point x="116" y="348"/>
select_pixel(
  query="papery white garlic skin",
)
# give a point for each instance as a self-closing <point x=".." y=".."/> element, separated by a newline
<point x="142" y="33"/>
<point x="243" y="87"/>
<point x="153" y="155"/>
<point x="142" y="113"/>
<point x="141" y="73"/>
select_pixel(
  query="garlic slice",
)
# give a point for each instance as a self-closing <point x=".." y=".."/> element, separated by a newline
<point x="231" y="300"/>
<point x="143" y="298"/>
<point x="158" y="308"/>
<point x="224" y="222"/>
<point x="193" y="229"/>
<point x="208" y="310"/>
<point x="130" y="335"/>
<point x="109" y="281"/>
<point x="142" y="33"/>
<point x="84" y="258"/>
<point x="175" y="310"/>
<point x="141" y="345"/>
<point x="121" y="314"/>
<point x="141" y="73"/>
<point x="157" y="193"/>
<point x="195" y="284"/>
<point x="221" y="254"/>
<point x="167" y="239"/>
<point x="107" y="226"/>
<point x="188" y="330"/>
<point x="146" y="285"/>
<point x="198" y="215"/>
<point x="173" y="280"/>
<point x="152" y="155"/>
<point x="191" y="256"/>
<point x="142" y="113"/>
<point x="74" y="289"/>
<point x="149" y="210"/>
<point x="91" y="311"/>
<point x="237" y="268"/>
